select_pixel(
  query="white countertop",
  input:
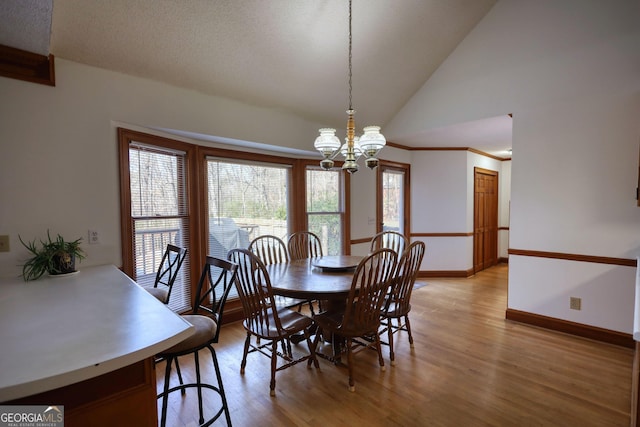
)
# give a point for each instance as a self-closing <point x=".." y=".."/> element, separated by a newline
<point x="57" y="331"/>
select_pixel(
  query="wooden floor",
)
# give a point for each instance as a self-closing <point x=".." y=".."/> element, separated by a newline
<point x="469" y="367"/>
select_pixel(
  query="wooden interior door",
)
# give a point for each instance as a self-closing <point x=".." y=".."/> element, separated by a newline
<point x="485" y="219"/>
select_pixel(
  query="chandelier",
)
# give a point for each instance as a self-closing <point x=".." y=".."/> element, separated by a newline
<point x="367" y="145"/>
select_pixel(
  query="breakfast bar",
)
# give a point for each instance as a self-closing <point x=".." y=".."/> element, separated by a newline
<point x="85" y="341"/>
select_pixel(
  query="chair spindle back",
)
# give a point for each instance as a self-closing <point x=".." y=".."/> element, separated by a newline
<point x="270" y="249"/>
<point x="371" y="282"/>
<point x="254" y="289"/>
<point x="304" y="244"/>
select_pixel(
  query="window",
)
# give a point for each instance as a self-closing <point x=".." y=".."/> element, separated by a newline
<point x="159" y="215"/>
<point x="245" y="200"/>
<point x="325" y="208"/>
<point x="392" y="201"/>
<point x="210" y="200"/>
<point x="393" y="197"/>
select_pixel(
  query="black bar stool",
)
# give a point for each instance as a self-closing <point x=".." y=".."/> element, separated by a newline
<point x="216" y="280"/>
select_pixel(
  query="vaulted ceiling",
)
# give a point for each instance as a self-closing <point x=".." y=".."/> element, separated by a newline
<point x="290" y="55"/>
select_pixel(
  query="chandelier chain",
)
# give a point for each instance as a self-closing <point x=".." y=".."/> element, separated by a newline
<point x="350" y="68"/>
<point x="368" y="145"/>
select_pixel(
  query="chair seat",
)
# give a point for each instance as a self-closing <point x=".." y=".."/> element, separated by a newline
<point x="333" y="321"/>
<point x="160" y="294"/>
<point x="291" y="321"/>
<point x="396" y="310"/>
<point x="289" y="302"/>
<point x="206" y="330"/>
<point x="330" y="320"/>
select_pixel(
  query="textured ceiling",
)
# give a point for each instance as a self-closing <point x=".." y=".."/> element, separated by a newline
<point x="26" y="24"/>
<point x="290" y="55"/>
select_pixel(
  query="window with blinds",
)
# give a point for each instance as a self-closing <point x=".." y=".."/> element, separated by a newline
<point x="325" y="208"/>
<point x="159" y="215"/>
<point x="209" y="200"/>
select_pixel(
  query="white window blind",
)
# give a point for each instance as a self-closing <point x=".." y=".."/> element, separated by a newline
<point x="159" y="215"/>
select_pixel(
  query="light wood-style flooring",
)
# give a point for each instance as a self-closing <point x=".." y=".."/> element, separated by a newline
<point x="469" y="367"/>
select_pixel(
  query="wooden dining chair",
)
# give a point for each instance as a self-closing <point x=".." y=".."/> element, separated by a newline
<point x="167" y="273"/>
<point x="391" y="240"/>
<point x="398" y="303"/>
<point x="217" y="278"/>
<point x="361" y="316"/>
<point x="304" y="244"/>
<point x="270" y="249"/>
<point x="263" y="319"/>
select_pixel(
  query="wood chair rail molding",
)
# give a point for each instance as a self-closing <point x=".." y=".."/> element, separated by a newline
<point x="454" y="234"/>
<point x="361" y="240"/>
<point x="463" y="234"/>
<point x="575" y="257"/>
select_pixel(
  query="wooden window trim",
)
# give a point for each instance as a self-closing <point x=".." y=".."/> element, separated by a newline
<point x="125" y="138"/>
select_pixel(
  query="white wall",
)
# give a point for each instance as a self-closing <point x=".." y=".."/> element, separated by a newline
<point x="58" y="145"/>
<point x="363" y="208"/>
<point x="59" y="161"/>
<point x="442" y="201"/>
<point x="363" y="198"/>
<point x="439" y="205"/>
<point x="568" y="71"/>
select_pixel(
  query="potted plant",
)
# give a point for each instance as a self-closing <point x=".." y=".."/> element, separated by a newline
<point x="51" y="256"/>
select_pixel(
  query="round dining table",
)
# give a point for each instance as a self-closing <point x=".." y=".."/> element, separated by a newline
<point x="327" y="279"/>
<point x="323" y="278"/>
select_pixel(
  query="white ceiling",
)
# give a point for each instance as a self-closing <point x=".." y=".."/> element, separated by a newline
<point x="285" y="54"/>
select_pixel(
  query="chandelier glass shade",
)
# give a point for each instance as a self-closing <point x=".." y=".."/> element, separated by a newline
<point x="368" y="145"/>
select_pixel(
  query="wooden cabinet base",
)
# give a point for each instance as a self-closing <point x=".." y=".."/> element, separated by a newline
<point x="126" y="397"/>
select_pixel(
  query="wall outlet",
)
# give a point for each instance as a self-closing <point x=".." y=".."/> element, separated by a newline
<point x="4" y="243"/>
<point x="94" y="238"/>
<point x="575" y="303"/>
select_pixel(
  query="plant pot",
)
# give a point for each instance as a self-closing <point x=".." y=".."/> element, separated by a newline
<point x="63" y="264"/>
